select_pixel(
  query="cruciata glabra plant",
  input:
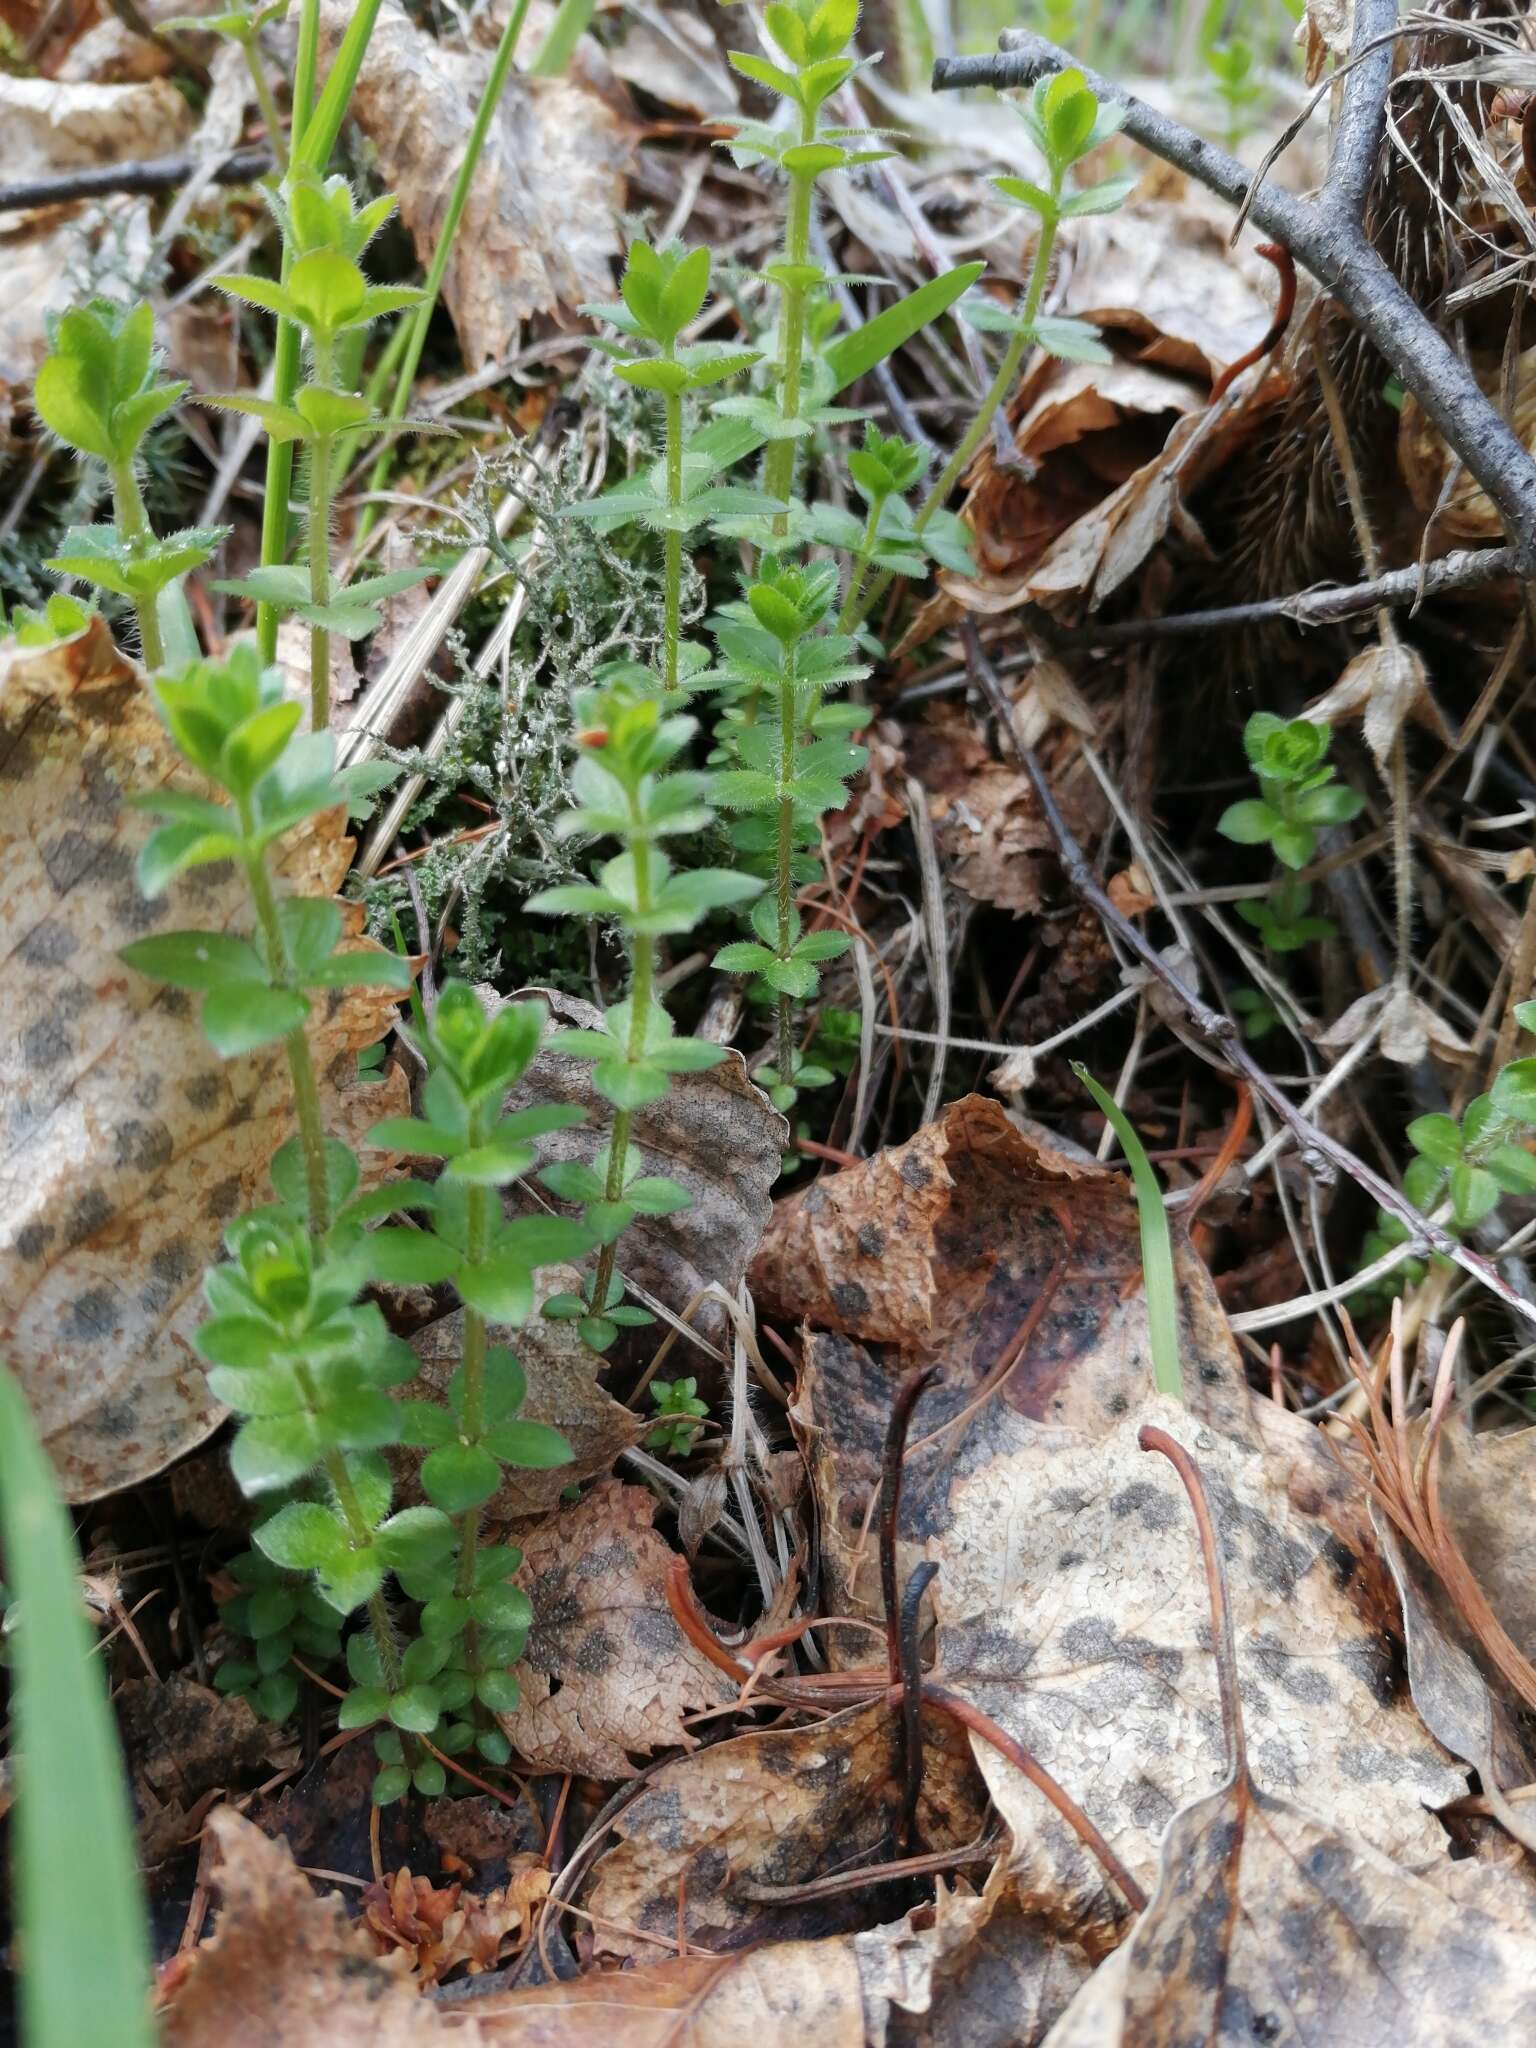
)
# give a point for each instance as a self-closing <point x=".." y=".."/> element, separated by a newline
<point x="626" y="789"/>
<point x="100" y="390"/>
<point x="325" y="295"/>
<point x="307" y="1366"/>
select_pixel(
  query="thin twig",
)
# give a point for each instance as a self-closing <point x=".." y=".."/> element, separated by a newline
<point x="908" y="1394"/>
<point x="158" y="174"/>
<point x="912" y="1699"/>
<point x="1326" y="235"/>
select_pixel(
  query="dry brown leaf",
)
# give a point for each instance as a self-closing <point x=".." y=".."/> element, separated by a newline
<point x="772" y="1809"/>
<point x="1488" y="1493"/>
<point x="607" y="1673"/>
<point x="715" y="1133"/>
<point x="443" y="1926"/>
<point x="287" y="1969"/>
<point x="127" y="1144"/>
<point x="789" y="1996"/>
<point x="1465" y="514"/>
<point x="667" y="50"/>
<point x="992" y="837"/>
<point x="1270" y="1925"/>
<point x="562" y="1391"/>
<point x="184" y="1739"/>
<point x="541" y="226"/>
<point x="51" y="125"/>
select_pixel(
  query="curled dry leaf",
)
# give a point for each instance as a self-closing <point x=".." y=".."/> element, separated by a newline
<point x="1271" y="1925"/>
<point x="542" y="221"/>
<point x="992" y="837"/>
<point x="127" y="1144"/>
<point x="714" y="1133"/>
<point x="1383" y="686"/>
<point x="287" y="1969"/>
<point x="769" y="1810"/>
<point x="562" y="1390"/>
<point x="441" y="1926"/>
<point x="1406" y="1025"/>
<point x="607" y="1674"/>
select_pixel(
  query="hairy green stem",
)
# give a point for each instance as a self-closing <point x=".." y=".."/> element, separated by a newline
<point x="320" y="454"/>
<point x="421" y="319"/>
<point x="861" y="562"/>
<point x="785" y="874"/>
<point x="287" y="355"/>
<point x="641" y="981"/>
<point x="779" y="464"/>
<point x="133" y="525"/>
<point x="301" y="1068"/>
<point x="672" y="629"/>
<point x="477" y="1238"/>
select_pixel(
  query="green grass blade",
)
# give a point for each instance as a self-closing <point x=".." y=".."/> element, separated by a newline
<point x="80" y="1909"/>
<point x="570" y="24"/>
<point x="421" y="317"/>
<point x="855" y="353"/>
<point x="318" y="139"/>
<point x="1156" y="1245"/>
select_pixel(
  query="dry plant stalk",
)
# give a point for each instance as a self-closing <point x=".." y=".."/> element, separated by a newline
<point x="1404" y="1482"/>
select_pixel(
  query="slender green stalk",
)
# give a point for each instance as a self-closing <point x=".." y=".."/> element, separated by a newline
<point x="477" y="1233"/>
<point x="571" y="22"/>
<point x="321" y="451"/>
<point x="779" y="465"/>
<point x="301" y="1068"/>
<point x="784" y="875"/>
<point x="641" y="981"/>
<point x="1001" y="385"/>
<point x="133" y="525"/>
<point x="287" y="358"/>
<point x="421" y="318"/>
<point x="867" y="545"/>
<point x="1156" y="1245"/>
<point x="256" y="64"/>
<point x="672" y="629"/>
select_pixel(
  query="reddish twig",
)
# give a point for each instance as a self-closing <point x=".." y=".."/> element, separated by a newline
<point x="912" y="1700"/>
<point x="1285" y="306"/>
<point x="1231" y="1146"/>
<point x="908" y="1394"/>
<point x="1014" y="1752"/>
<point x="1153" y="1439"/>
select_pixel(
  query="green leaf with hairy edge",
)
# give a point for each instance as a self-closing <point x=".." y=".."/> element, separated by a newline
<point x="71" y="1834"/>
<point x="1156" y="1245"/>
<point x="853" y="354"/>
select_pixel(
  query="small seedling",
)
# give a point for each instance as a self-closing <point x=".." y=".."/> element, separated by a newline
<point x="678" y="1408"/>
<point x="1297" y="792"/>
<point x="32" y="626"/>
<point x="1156" y="1245"/>
<point x="1282" y="918"/>
<point x="100" y="391"/>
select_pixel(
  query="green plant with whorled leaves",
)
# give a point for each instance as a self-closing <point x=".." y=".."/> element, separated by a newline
<point x="791" y="759"/>
<point x="307" y="1366"/>
<point x="1297" y="792"/>
<point x="627" y="789"/>
<point x="325" y="295"/>
<point x="884" y="471"/>
<point x="662" y="293"/>
<point x="100" y="390"/>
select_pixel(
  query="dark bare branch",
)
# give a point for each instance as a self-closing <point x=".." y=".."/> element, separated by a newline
<point x="1326" y="236"/>
<point x="159" y="174"/>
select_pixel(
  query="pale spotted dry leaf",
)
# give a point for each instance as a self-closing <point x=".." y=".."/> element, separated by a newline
<point x="1073" y="1608"/>
<point x="1271" y="1924"/>
<point x="127" y="1145"/>
<point x="715" y="1133"/>
<point x="287" y="1969"/>
<point x="963" y="1972"/>
<point x="607" y="1674"/>
<point x="541" y="226"/>
<point x="993" y="840"/>
<point x="788" y="1996"/>
<point x="771" y="1809"/>
<point x="562" y="1390"/>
